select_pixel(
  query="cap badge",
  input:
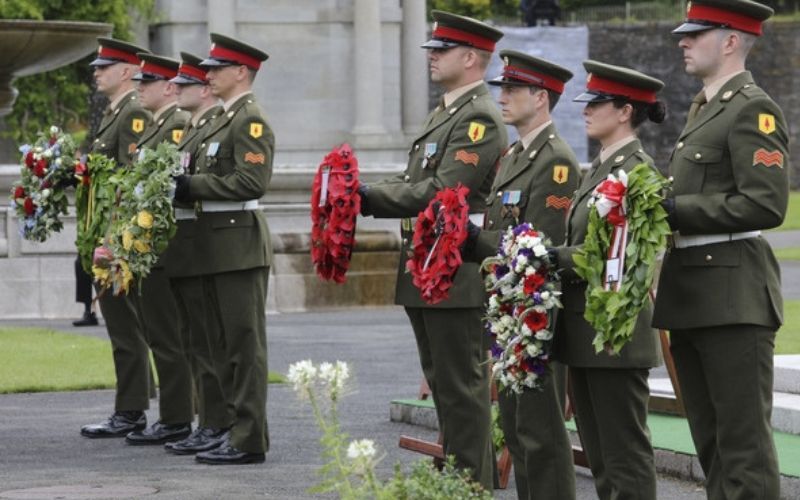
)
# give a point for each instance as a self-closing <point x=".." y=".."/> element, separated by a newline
<point x="619" y="159"/>
<point x="505" y="61"/>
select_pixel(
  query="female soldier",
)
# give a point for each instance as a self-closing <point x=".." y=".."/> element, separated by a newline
<point x="610" y="392"/>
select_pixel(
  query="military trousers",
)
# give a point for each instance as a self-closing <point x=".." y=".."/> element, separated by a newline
<point x="83" y="285"/>
<point x="237" y="302"/>
<point x="213" y="407"/>
<point x="611" y="413"/>
<point x="453" y="353"/>
<point x="131" y="357"/>
<point x="158" y="314"/>
<point x="534" y="430"/>
<point x="726" y="375"/>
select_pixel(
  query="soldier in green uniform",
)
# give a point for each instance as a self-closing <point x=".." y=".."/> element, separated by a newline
<point x="154" y="302"/>
<point x="184" y="263"/>
<point x="233" y="169"/>
<point x="719" y="293"/>
<point x="123" y="123"/>
<point x="461" y="141"/>
<point x="610" y="391"/>
<point x="534" y="183"/>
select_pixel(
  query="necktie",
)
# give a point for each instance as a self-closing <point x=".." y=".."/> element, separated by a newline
<point x="697" y="104"/>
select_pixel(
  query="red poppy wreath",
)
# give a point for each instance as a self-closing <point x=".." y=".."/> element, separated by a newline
<point x="335" y="204"/>
<point x="439" y="234"/>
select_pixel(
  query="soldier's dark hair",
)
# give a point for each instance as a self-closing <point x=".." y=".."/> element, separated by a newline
<point x="552" y="96"/>
<point x="655" y="112"/>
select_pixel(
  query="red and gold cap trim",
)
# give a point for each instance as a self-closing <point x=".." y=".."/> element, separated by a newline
<point x="707" y="13"/>
<point x="533" y="77"/>
<point x="219" y="52"/>
<point x="612" y="87"/>
<point x="155" y="69"/>
<point x="117" y="55"/>
<point x="457" y="35"/>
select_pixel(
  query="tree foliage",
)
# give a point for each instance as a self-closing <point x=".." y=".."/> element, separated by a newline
<point x="61" y="97"/>
<point x="479" y="9"/>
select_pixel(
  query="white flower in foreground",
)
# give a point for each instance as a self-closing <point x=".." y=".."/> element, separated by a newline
<point x="539" y="250"/>
<point x="53" y="130"/>
<point x="302" y="374"/>
<point x="335" y="375"/>
<point x="361" y="449"/>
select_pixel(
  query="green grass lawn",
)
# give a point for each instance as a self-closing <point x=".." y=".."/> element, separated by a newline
<point x="788" y="338"/>
<point x="791" y="253"/>
<point x="792" y="220"/>
<point x="39" y="360"/>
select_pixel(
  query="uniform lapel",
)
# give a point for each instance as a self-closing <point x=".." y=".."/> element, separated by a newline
<point x="154" y="129"/>
<point x="439" y="118"/>
<point x="528" y="156"/>
<point x="718" y="102"/>
<point x="225" y="116"/>
<point x="114" y="114"/>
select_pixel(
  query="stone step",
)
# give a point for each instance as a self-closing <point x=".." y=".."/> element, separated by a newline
<point x="787" y="373"/>
<point x="785" y="405"/>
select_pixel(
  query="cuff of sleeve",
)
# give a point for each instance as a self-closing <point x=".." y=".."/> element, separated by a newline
<point x="182" y="189"/>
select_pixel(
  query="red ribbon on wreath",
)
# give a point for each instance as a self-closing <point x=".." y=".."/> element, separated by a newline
<point x="611" y="205"/>
<point x="335" y="204"/>
<point x="438" y="237"/>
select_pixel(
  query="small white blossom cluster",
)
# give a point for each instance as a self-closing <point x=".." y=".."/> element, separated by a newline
<point x="333" y="377"/>
<point x="521" y="283"/>
<point x="361" y="449"/>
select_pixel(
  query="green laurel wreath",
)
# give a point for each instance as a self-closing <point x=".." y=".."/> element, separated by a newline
<point x="94" y="201"/>
<point x="613" y="314"/>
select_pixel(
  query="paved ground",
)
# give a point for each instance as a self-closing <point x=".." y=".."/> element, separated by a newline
<point x="41" y="446"/>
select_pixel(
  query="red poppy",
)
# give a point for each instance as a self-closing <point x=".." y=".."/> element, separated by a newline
<point x="40" y="170"/>
<point x="29" y="159"/>
<point x="29" y="206"/>
<point x="532" y="283"/>
<point x="536" y="321"/>
<point x="19" y="192"/>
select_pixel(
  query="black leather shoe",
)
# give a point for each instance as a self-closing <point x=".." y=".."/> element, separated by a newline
<point x="228" y="455"/>
<point x="117" y="425"/>
<point x="159" y="433"/>
<point x="202" y="439"/>
<point x="88" y="319"/>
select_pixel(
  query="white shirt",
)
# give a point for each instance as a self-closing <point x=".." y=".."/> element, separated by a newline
<point x="714" y="87"/>
<point x="113" y="105"/>
<point x="533" y="134"/>
<point x="227" y="105"/>
<point x="450" y="97"/>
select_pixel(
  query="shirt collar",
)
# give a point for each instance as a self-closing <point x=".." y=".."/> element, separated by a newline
<point x="227" y="105"/>
<point x="533" y="134"/>
<point x="453" y="95"/>
<point x="606" y="153"/>
<point x="714" y="87"/>
<point x="160" y="111"/>
<point x="115" y="103"/>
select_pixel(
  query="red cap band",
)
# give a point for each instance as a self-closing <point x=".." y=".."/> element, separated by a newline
<point x="534" y="78"/>
<point x="148" y="67"/>
<point x="605" y="86"/>
<point x="119" y="55"/>
<point x="193" y="72"/>
<point x="457" y="35"/>
<point x="726" y="17"/>
<point x="218" y="52"/>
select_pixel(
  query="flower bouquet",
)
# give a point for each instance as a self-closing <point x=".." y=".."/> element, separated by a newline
<point x="439" y="234"/>
<point x="627" y="230"/>
<point x="335" y="204"/>
<point x="143" y="221"/>
<point x="39" y="196"/>
<point x="521" y="282"/>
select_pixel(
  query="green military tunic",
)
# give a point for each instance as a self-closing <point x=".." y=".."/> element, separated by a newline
<point x="156" y="307"/>
<point x="610" y="392"/>
<point x="537" y="183"/>
<point x="119" y="131"/>
<point x="458" y="144"/>
<point x="184" y="264"/>
<point x="722" y="300"/>
<point x="234" y="166"/>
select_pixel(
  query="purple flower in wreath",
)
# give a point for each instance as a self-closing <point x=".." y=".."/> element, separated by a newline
<point x="500" y="271"/>
<point x="497" y="351"/>
<point x="522" y="228"/>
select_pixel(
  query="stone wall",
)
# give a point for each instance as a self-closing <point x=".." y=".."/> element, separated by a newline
<point x="774" y="62"/>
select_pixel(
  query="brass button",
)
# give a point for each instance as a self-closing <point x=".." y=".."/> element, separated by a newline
<point x="407" y="178"/>
<point x="405" y="241"/>
<point x="233" y="221"/>
<point x="203" y="145"/>
<point x="671" y="179"/>
<point x="697" y="156"/>
<point x="491" y="223"/>
<point x="709" y="258"/>
<point x="499" y="193"/>
<point x="416" y="147"/>
<point x="680" y="145"/>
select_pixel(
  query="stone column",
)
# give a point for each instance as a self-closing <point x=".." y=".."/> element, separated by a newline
<point x="368" y="68"/>
<point x="414" y="66"/>
<point x="221" y="17"/>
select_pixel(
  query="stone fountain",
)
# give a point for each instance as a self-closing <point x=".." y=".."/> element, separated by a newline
<point x="31" y="47"/>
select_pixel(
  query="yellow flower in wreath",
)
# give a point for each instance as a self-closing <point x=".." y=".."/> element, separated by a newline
<point x="144" y="219"/>
<point x="127" y="240"/>
<point x="100" y="273"/>
<point x="141" y="246"/>
<point x="127" y="275"/>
